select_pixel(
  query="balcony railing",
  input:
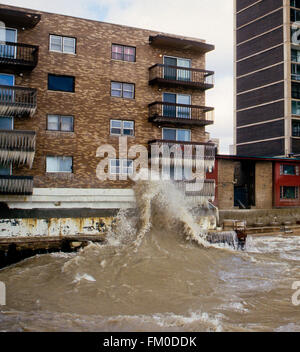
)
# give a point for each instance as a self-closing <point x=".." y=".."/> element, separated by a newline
<point x="165" y="75"/>
<point x="16" y="185"/>
<point x="203" y="188"/>
<point x="172" y="152"/>
<point x="17" y="101"/>
<point x="181" y="114"/>
<point x="19" y="56"/>
<point x="17" y="147"/>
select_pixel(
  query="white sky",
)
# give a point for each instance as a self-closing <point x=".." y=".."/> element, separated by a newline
<point x="205" y="19"/>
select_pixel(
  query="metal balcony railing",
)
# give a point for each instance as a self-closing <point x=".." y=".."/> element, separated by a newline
<point x="17" y="147"/>
<point x="181" y="114"/>
<point x="16" y="185"/>
<point x="18" y="55"/>
<point x="199" y="188"/>
<point x="188" y="153"/>
<point x="181" y="76"/>
<point x="17" y="101"/>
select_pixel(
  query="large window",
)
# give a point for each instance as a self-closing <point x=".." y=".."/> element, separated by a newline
<point x="8" y="35"/>
<point x="121" y="167"/>
<point x="289" y="192"/>
<point x="295" y="15"/>
<point x="122" y="128"/>
<point x="296" y="128"/>
<point x="296" y="55"/>
<point x="295" y="90"/>
<point x="124" y="53"/>
<point x="177" y="111"/>
<point x="295" y="3"/>
<point x="5" y="170"/>
<point x="66" y="45"/>
<point x="295" y="72"/>
<point x="122" y="90"/>
<point x="60" y="123"/>
<point x="296" y="107"/>
<point x="174" y="134"/>
<point x="290" y="170"/>
<point x="171" y="71"/>
<point x="61" y="83"/>
<point x="59" y="164"/>
<point x="6" y="123"/>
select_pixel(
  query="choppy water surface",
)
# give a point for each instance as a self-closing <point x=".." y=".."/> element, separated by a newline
<point x="156" y="274"/>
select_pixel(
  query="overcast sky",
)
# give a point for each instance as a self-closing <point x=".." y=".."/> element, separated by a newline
<point x="204" y="19"/>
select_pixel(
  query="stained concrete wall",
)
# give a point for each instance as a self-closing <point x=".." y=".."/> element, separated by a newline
<point x="53" y="227"/>
<point x="264" y="185"/>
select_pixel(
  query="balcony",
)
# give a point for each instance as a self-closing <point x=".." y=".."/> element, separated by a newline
<point x="17" y="147"/>
<point x="175" y="76"/>
<point x="16" y="185"/>
<point x="180" y="114"/>
<point x="172" y="152"/>
<point x="17" y="56"/>
<point x="17" y="101"/>
<point x="19" y="19"/>
<point x="198" y="189"/>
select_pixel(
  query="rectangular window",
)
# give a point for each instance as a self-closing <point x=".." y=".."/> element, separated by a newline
<point x="296" y="128"/>
<point x="59" y="164"/>
<point x="121" y="167"/>
<point x="61" y="83"/>
<point x="295" y="90"/>
<point x="295" y="55"/>
<point x="295" y="3"/>
<point x="295" y="15"/>
<point x="60" y="123"/>
<point x="172" y="134"/>
<point x="66" y="45"/>
<point x="289" y="192"/>
<point x="122" y="128"/>
<point x="124" y="53"/>
<point x="122" y="90"/>
<point x="291" y="170"/>
<point x="7" y="36"/>
<point x="296" y="107"/>
<point x="5" y="170"/>
<point x="172" y="72"/>
<point x="295" y="72"/>
<point x="170" y="110"/>
<point x="6" y="123"/>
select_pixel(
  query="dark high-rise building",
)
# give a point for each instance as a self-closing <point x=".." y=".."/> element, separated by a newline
<point x="267" y="77"/>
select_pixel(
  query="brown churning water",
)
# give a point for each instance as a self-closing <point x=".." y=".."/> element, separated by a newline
<point x="157" y="272"/>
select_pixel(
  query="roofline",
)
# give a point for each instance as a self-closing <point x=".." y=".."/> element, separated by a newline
<point x="151" y="31"/>
<point x="257" y="158"/>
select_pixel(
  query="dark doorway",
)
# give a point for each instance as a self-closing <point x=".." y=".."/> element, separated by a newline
<point x="244" y="188"/>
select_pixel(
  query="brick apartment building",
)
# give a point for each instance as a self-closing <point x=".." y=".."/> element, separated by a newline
<point x="69" y="85"/>
<point x="267" y="78"/>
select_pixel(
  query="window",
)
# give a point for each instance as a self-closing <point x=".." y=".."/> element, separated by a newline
<point x="176" y="111"/>
<point x="122" y="128"/>
<point x="172" y="134"/>
<point x="295" y="15"/>
<point x="296" y="107"/>
<point x="5" y="170"/>
<point x="122" y="90"/>
<point x="6" y="123"/>
<point x="289" y="192"/>
<point x="172" y="73"/>
<point x="66" y="45"/>
<point x="124" y="53"/>
<point x="295" y="90"/>
<point x="59" y="164"/>
<point x="296" y="55"/>
<point x="61" y="83"/>
<point x="295" y="72"/>
<point x="8" y="35"/>
<point x="296" y="128"/>
<point x="291" y="170"/>
<point x="295" y="3"/>
<point x="60" y="123"/>
<point x="121" y="167"/>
